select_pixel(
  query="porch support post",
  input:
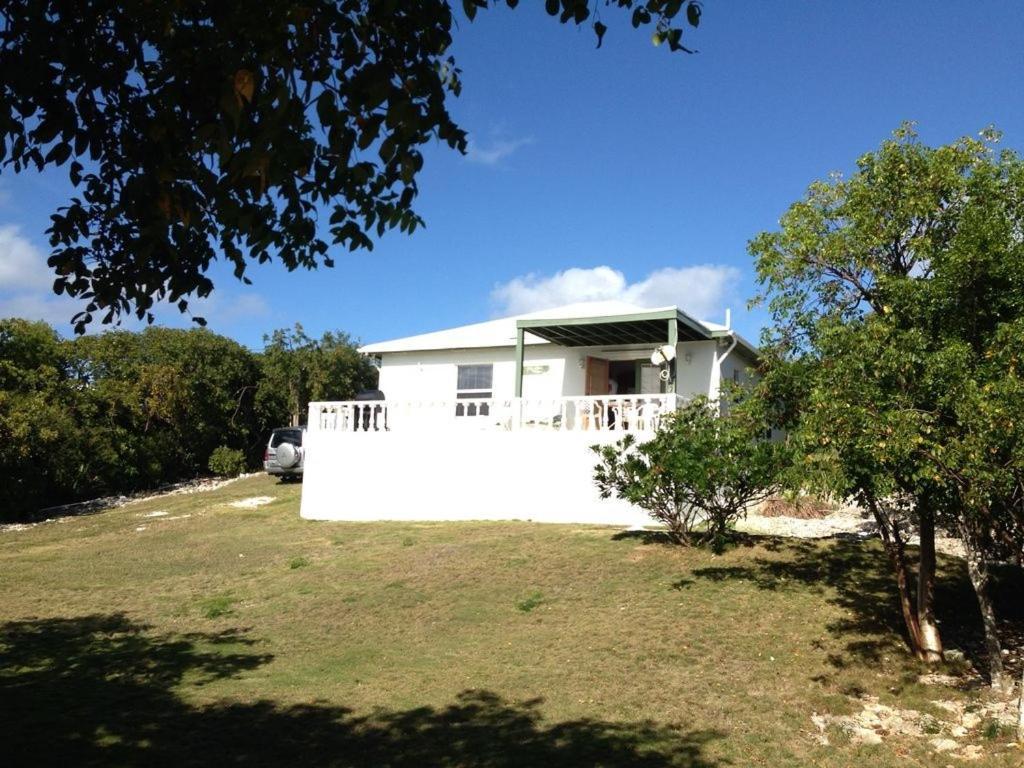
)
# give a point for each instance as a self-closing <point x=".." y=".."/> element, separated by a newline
<point x="519" y="361"/>
<point x="673" y="339"/>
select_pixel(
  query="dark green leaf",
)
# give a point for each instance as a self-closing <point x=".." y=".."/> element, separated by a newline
<point x="59" y="154"/>
<point x="693" y="14"/>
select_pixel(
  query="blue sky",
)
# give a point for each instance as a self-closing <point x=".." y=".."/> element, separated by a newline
<point x="625" y="172"/>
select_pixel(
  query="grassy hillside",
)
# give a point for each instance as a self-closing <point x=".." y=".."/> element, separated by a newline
<point x="184" y="630"/>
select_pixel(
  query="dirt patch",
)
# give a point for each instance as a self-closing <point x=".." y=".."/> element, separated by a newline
<point x="950" y="681"/>
<point x="801" y="507"/>
<point x="639" y="553"/>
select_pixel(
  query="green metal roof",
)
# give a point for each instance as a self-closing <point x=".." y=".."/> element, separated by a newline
<point x="638" y="328"/>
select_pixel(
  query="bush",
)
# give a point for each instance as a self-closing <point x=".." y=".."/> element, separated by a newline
<point x="226" y="461"/>
<point x="699" y="473"/>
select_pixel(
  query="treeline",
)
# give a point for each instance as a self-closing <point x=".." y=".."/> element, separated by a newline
<point x="124" y="411"/>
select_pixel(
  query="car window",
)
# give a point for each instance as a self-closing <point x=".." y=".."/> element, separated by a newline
<point x="293" y="436"/>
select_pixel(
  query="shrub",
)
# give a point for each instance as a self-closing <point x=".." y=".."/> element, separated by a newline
<point x="700" y="472"/>
<point x="227" y="461"/>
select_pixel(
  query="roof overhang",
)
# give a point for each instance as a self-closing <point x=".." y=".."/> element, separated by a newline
<point x="609" y="330"/>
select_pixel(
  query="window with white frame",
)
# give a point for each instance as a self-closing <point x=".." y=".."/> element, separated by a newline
<point x="474" y="382"/>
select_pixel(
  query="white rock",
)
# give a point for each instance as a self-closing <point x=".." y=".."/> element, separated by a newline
<point x="252" y="502"/>
<point x="865" y="736"/>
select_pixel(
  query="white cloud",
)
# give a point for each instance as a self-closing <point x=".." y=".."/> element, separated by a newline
<point x="53" y="309"/>
<point x="26" y="282"/>
<point x="22" y="265"/>
<point x="701" y="290"/>
<point x="495" y="151"/>
<point x="26" y="290"/>
<point x="222" y="308"/>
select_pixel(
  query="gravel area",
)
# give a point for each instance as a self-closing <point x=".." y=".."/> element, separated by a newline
<point x="846" y="521"/>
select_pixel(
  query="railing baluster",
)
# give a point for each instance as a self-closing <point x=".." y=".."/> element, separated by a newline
<point x="602" y="413"/>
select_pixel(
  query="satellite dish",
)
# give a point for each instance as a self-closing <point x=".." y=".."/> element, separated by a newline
<point x="663" y="355"/>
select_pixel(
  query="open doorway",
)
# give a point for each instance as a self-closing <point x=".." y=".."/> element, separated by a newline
<point x="622" y="377"/>
<point x="636" y="377"/>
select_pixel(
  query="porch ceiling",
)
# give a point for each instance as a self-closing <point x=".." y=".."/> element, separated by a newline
<point x="641" y="328"/>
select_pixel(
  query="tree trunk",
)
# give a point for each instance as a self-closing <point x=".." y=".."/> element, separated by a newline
<point x="295" y="404"/>
<point x="910" y="616"/>
<point x="977" y="569"/>
<point x="931" y="642"/>
<point x="892" y="539"/>
<point x="1020" y="711"/>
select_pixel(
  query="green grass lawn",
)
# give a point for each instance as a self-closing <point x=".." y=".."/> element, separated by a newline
<point x="213" y="634"/>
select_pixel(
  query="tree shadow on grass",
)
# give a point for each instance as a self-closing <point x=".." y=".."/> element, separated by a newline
<point x="854" y="574"/>
<point x="654" y="537"/>
<point x="644" y="536"/>
<point x="100" y="690"/>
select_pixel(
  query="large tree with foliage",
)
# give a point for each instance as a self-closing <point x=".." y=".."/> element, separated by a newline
<point x="898" y="296"/>
<point x="203" y="129"/>
<point x="43" y="456"/>
<point x="167" y="398"/>
<point x="297" y="369"/>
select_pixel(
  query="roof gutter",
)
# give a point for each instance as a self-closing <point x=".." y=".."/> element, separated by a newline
<point x="732" y="335"/>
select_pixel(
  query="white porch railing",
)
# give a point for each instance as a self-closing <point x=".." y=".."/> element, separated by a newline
<point x="616" y="413"/>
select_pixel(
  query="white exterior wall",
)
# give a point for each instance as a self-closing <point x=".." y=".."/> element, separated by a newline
<point x="735" y="363"/>
<point x="540" y="475"/>
<point x="433" y="374"/>
<point x="695" y="377"/>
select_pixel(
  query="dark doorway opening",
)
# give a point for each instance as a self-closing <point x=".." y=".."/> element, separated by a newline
<point x="623" y="373"/>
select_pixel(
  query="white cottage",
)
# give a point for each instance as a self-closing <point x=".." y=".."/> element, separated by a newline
<point x="495" y="420"/>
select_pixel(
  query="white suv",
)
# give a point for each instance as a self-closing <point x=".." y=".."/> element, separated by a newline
<point x="285" y="455"/>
